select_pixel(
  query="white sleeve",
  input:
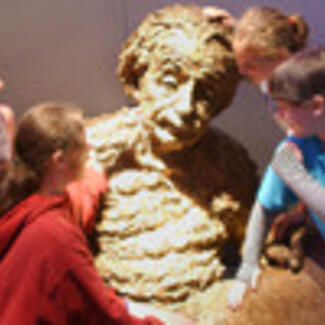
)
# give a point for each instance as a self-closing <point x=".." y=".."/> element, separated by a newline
<point x="301" y="182"/>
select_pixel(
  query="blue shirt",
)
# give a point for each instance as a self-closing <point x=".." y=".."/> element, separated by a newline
<point x="274" y="195"/>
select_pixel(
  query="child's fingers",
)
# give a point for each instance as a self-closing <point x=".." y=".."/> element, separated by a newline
<point x="256" y="277"/>
<point x="279" y="226"/>
<point x="236" y="294"/>
<point x="281" y="230"/>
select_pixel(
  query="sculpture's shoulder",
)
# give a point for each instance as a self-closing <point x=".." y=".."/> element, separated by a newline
<point x="111" y="135"/>
<point x="113" y="127"/>
<point x="217" y="163"/>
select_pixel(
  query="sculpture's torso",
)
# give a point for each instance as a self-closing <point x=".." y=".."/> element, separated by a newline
<point x="167" y="218"/>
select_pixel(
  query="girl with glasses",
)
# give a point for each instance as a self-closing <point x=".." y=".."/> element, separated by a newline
<point x="296" y="100"/>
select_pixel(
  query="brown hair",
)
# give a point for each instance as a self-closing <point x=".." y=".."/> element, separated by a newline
<point x="41" y="131"/>
<point x="45" y="128"/>
<point x="267" y="30"/>
<point x="301" y="77"/>
<point x="16" y="182"/>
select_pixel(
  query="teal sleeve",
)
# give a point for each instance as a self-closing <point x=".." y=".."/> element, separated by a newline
<point x="274" y="195"/>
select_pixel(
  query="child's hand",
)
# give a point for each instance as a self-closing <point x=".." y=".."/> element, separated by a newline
<point x="239" y="288"/>
<point x="280" y="225"/>
<point x="168" y="317"/>
<point x="284" y="221"/>
<point x="236" y="294"/>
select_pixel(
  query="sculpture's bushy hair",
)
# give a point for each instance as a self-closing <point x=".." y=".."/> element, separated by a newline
<point x="152" y="38"/>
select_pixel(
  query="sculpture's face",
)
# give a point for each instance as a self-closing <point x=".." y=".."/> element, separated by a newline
<point x="183" y="88"/>
<point x="180" y="68"/>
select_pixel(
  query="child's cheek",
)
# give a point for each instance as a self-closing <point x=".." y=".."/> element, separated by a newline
<point x="302" y="115"/>
<point x="307" y="122"/>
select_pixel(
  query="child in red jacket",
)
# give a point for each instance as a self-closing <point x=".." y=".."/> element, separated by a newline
<point x="46" y="270"/>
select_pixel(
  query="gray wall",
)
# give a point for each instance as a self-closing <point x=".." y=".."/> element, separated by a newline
<point x="67" y="50"/>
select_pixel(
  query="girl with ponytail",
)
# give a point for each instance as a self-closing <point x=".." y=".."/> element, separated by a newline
<point x="264" y="37"/>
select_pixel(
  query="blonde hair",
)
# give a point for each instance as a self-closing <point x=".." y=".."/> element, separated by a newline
<point x="267" y="30"/>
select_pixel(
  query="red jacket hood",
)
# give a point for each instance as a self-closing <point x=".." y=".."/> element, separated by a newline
<point x="12" y="223"/>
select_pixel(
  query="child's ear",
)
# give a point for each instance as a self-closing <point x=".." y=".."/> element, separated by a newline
<point x="282" y="54"/>
<point x="57" y="157"/>
<point x="318" y="104"/>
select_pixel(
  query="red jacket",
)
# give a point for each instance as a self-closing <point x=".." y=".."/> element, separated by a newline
<point x="84" y="196"/>
<point x="46" y="270"/>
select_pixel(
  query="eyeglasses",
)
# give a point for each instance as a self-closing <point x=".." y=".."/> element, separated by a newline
<point x="272" y="103"/>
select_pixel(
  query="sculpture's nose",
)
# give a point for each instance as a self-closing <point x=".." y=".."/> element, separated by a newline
<point x="186" y="100"/>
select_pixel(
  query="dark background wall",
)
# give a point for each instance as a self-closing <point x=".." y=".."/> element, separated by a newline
<point x="68" y="49"/>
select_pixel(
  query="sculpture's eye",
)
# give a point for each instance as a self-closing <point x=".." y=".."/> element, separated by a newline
<point x="170" y="81"/>
<point x="221" y="40"/>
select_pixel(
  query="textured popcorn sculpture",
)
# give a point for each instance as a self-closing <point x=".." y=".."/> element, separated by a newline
<point x="179" y="192"/>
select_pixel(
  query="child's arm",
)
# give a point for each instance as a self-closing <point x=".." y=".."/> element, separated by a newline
<point x="81" y="294"/>
<point x="247" y="275"/>
<point x="85" y="195"/>
<point x="168" y="317"/>
<point x="290" y="168"/>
